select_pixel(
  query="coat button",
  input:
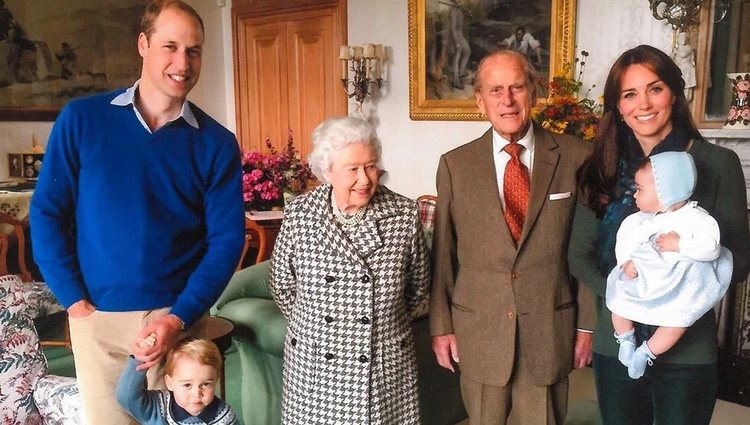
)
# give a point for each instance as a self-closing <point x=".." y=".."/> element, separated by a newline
<point x="511" y="314"/>
<point x="294" y="342"/>
<point x="515" y="275"/>
<point x="329" y="356"/>
<point x="365" y="320"/>
<point x="365" y="279"/>
<point x="328" y="319"/>
<point x="330" y="279"/>
<point x="363" y="359"/>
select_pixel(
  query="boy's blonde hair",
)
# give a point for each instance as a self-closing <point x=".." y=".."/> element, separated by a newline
<point x="199" y="349"/>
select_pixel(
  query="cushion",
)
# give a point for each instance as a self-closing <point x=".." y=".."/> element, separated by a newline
<point x="426" y="204"/>
<point x="58" y="400"/>
<point x="39" y="300"/>
<point x="22" y="363"/>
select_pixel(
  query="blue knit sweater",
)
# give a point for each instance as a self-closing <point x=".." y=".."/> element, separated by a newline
<point x="137" y="221"/>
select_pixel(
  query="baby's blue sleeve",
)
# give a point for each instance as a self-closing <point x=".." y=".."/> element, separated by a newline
<point x="133" y="396"/>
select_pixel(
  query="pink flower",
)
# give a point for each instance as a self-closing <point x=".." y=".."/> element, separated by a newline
<point x="732" y="114"/>
<point x="266" y="176"/>
<point x="746" y="113"/>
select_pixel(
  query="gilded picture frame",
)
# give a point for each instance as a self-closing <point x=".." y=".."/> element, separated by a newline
<point x="52" y="52"/>
<point x="447" y="38"/>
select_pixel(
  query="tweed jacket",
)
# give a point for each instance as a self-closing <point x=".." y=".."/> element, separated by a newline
<point x="349" y="352"/>
<point x="720" y="190"/>
<point x="492" y="294"/>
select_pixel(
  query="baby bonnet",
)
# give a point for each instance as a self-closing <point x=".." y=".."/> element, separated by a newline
<point x="675" y="177"/>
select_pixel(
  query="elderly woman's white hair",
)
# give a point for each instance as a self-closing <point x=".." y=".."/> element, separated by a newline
<point x="335" y="134"/>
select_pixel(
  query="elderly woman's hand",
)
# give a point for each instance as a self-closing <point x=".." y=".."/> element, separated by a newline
<point x="446" y="349"/>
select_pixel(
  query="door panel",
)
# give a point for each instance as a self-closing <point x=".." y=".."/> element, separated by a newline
<point x="286" y="72"/>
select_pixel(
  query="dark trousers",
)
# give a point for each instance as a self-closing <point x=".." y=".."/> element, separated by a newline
<point x="668" y="394"/>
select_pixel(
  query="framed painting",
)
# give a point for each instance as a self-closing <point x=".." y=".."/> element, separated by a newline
<point x="448" y="38"/>
<point x="52" y="51"/>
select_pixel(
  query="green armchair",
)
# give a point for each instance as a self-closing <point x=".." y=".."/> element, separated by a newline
<point x="254" y="362"/>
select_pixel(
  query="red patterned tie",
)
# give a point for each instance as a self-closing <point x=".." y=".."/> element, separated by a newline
<point x="515" y="190"/>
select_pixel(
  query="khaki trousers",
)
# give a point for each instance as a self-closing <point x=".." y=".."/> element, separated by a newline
<point x="101" y="344"/>
<point x="518" y="403"/>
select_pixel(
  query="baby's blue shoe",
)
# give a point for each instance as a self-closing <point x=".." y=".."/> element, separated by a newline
<point x="627" y="347"/>
<point x="642" y="357"/>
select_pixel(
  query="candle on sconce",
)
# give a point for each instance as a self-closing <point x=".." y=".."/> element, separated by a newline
<point x="380" y="57"/>
<point x="357" y="52"/>
<point x="369" y="51"/>
<point x="380" y="52"/>
<point x="344" y="69"/>
<point x="344" y="56"/>
<point x="345" y="53"/>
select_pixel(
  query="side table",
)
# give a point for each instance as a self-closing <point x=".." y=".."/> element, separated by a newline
<point x="261" y="229"/>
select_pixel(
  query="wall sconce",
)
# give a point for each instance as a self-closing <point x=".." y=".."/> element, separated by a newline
<point x="679" y="13"/>
<point x="366" y="65"/>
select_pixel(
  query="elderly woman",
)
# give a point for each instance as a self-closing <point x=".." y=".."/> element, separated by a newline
<point x="349" y="266"/>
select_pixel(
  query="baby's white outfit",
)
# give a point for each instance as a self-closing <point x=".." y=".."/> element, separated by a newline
<point x="672" y="288"/>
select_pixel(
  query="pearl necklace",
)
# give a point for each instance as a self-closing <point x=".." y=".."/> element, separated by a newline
<point x="347" y="221"/>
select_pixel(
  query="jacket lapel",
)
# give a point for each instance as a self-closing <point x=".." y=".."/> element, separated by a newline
<point x="333" y="237"/>
<point x="367" y="238"/>
<point x="546" y="158"/>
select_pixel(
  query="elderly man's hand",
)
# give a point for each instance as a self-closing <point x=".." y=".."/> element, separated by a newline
<point x="582" y="354"/>
<point x="162" y="333"/>
<point x="446" y="349"/>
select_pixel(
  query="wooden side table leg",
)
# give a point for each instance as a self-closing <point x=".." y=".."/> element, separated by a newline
<point x="245" y="247"/>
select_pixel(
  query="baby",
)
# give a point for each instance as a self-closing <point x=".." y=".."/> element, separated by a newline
<point x="191" y="374"/>
<point x="670" y="269"/>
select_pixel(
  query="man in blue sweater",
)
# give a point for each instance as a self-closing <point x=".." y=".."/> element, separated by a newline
<point x="137" y="219"/>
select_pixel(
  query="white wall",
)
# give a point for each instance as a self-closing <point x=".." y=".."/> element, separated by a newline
<point x="606" y="28"/>
<point x="411" y="149"/>
<point x="214" y="92"/>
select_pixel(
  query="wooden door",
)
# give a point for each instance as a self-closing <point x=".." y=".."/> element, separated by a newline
<point x="286" y="75"/>
<point x="262" y="93"/>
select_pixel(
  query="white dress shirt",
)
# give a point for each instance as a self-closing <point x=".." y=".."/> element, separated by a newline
<point x="127" y="98"/>
<point x="502" y="158"/>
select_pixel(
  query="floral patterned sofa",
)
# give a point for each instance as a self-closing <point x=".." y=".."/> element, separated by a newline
<point x="28" y="394"/>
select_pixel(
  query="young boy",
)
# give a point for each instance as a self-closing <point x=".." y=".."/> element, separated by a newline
<point x="191" y="373"/>
<point x="671" y="268"/>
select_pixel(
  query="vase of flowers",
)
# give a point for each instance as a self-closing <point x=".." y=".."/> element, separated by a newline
<point x="267" y="179"/>
<point x="739" y="111"/>
<point x="564" y="111"/>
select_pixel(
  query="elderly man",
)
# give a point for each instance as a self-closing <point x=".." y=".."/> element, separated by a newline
<point x="137" y="219"/>
<point x="502" y="299"/>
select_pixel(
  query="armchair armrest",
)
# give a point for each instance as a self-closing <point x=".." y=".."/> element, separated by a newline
<point x="251" y="282"/>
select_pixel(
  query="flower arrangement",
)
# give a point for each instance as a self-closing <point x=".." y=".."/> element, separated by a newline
<point x="266" y="178"/>
<point x="563" y="111"/>
<point x="739" y="111"/>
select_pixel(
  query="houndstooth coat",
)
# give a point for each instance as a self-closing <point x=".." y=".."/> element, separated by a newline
<point x="349" y="351"/>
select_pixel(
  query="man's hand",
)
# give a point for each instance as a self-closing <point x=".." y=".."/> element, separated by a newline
<point x="80" y="309"/>
<point x="445" y="348"/>
<point x="668" y="242"/>
<point x="629" y="269"/>
<point x="582" y="352"/>
<point x="164" y="332"/>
